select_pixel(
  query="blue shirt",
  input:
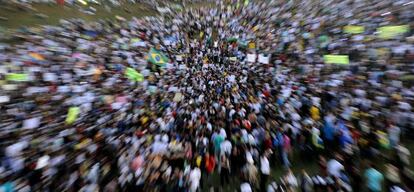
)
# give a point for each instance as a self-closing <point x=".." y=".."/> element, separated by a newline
<point x="328" y="131"/>
<point x="7" y="187"/>
<point x="374" y="179"/>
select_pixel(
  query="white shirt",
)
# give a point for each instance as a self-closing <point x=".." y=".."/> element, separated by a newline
<point x="226" y="147"/>
<point x="31" y="123"/>
<point x="159" y="147"/>
<point x="15" y="149"/>
<point x="264" y="165"/>
<point x="245" y="187"/>
<point x="334" y="167"/>
<point x="195" y="176"/>
<point x="223" y="133"/>
<point x="394" y="133"/>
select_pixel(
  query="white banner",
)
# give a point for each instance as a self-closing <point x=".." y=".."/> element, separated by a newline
<point x="179" y="57"/>
<point x="251" y="58"/>
<point x="264" y="59"/>
<point x="51" y="77"/>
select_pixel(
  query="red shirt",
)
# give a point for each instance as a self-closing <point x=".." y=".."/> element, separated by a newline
<point x="210" y="164"/>
<point x="268" y="143"/>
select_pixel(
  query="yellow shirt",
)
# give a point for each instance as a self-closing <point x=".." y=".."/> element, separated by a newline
<point x="198" y="161"/>
<point x="315" y="113"/>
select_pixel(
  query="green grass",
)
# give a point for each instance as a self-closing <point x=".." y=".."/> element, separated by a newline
<point x="19" y="18"/>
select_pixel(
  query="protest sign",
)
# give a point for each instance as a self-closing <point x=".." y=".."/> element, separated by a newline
<point x="17" y="77"/>
<point x="388" y="32"/>
<point x="336" y="59"/>
<point x="251" y="58"/>
<point x="72" y="115"/>
<point x="264" y="59"/>
<point x="354" y="29"/>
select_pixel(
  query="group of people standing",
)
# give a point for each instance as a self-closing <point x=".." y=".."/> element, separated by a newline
<point x="211" y="117"/>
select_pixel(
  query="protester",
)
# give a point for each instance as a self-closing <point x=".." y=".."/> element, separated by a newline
<point x="374" y="179"/>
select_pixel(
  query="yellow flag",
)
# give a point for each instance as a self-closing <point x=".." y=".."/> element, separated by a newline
<point x="354" y="29"/>
<point x="388" y="32"/>
<point x="252" y="45"/>
<point x="72" y="115"/>
<point x="336" y="59"/>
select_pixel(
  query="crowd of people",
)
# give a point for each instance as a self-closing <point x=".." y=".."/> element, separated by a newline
<point x="211" y="117"/>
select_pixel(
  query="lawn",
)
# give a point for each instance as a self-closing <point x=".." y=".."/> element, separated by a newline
<point x="15" y="18"/>
<point x="18" y="18"/>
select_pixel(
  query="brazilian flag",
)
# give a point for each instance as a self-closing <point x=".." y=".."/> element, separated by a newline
<point x="157" y="57"/>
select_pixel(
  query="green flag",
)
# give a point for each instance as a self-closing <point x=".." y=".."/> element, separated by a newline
<point x="134" y="75"/>
<point x="354" y="29"/>
<point x="73" y="113"/>
<point x="389" y="32"/>
<point x="17" y="77"/>
<point x="157" y="57"/>
<point x="336" y="59"/>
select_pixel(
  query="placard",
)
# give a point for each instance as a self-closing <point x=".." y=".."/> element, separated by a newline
<point x="336" y="59"/>
<point x="354" y="29"/>
<point x="50" y="77"/>
<point x="73" y="113"/>
<point x="4" y="99"/>
<point x="31" y="123"/>
<point x="265" y="59"/>
<point x="388" y="32"/>
<point x="251" y="58"/>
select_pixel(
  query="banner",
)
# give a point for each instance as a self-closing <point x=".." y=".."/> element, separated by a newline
<point x="4" y="99"/>
<point x="134" y="75"/>
<point x="73" y="113"/>
<point x="336" y="59"/>
<point x="179" y="57"/>
<point x="50" y="77"/>
<point x="17" y="77"/>
<point x="137" y="42"/>
<point x="264" y="59"/>
<point x="389" y="32"/>
<point x="354" y="29"/>
<point x="177" y="97"/>
<point x="170" y="40"/>
<point x="157" y="57"/>
<point x="251" y="58"/>
<point x="152" y="89"/>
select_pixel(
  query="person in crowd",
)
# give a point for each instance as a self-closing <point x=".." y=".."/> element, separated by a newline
<point x="374" y="179"/>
